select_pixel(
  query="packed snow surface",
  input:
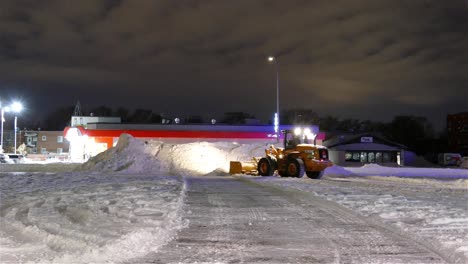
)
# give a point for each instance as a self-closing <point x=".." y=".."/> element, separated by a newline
<point x="129" y="201"/>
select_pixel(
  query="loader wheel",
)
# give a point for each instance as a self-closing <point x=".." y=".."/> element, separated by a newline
<point x="265" y="167"/>
<point x="315" y="174"/>
<point x="295" y="168"/>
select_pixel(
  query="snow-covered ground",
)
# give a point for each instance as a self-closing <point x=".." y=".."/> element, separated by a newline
<point x="434" y="210"/>
<point x="129" y="200"/>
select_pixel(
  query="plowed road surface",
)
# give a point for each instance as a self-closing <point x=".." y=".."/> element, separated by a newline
<point x="233" y="220"/>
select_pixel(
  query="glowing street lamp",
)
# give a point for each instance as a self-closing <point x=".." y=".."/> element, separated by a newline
<point x="277" y="115"/>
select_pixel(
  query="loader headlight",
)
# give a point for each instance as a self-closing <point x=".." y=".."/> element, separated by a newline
<point x="309" y="134"/>
<point x="297" y="131"/>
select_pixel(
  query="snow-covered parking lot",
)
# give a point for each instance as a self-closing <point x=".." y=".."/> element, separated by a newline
<point x="130" y="201"/>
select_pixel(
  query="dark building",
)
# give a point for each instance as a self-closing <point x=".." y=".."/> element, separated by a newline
<point x="357" y="150"/>
<point x="457" y="129"/>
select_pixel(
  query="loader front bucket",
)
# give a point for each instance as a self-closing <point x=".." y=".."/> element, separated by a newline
<point x="237" y="167"/>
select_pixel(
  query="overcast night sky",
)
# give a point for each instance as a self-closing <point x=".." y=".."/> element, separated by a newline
<point x="365" y="59"/>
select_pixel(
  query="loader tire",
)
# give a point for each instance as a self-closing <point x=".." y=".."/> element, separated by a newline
<point x="265" y="167"/>
<point x="295" y="168"/>
<point x="315" y="174"/>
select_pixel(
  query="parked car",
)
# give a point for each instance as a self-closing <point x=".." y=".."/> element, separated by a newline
<point x="16" y="158"/>
<point x="450" y="159"/>
<point x="4" y="158"/>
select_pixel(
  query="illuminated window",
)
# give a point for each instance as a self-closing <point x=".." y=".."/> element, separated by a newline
<point x="363" y="156"/>
<point x="370" y="156"/>
<point x="44" y="138"/>
<point x="356" y="156"/>
<point x="43" y="151"/>
<point x="352" y="156"/>
<point x="59" y="150"/>
<point x="348" y="156"/>
<point x="59" y="139"/>
<point x="378" y="157"/>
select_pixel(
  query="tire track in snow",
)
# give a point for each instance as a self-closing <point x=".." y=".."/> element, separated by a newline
<point x="377" y="235"/>
<point x="226" y="225"/>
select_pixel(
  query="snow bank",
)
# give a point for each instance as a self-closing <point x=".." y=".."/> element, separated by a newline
<point x="129" y="155"/>
<point x="337" y="171"/>
<point x="132" y="155"/>
<point x="87" y="218"/>
<point x="377" y="170"/>
<point x="212" y="158"/>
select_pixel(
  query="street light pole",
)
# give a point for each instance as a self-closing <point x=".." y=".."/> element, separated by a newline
<point x="16" y="107"/>
<point x="2" y="120"/>
<point x="278" y="132"/>
<point x="277" y="101"/>
<point x="16" y="128"/>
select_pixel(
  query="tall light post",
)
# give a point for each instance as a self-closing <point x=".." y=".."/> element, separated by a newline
<point x="16" y="108"/>
<point x="3" y="109"/>
<point x="277" y="116"/>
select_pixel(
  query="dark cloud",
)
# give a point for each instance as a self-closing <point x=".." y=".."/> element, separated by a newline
<point x="362" y="58"/>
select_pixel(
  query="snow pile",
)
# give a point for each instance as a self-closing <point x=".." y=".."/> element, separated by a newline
<point x="83" y="218"/>
<point x="207" y="158"/>
<point x="377" y="170"/>
<point x="129" y="155"/>
<point x="337" y="171"/>
<point x="132" y="155"/>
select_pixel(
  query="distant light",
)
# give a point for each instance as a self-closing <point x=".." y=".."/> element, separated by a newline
<point x="271" y="58"/>
<point x="307" y="131"/>
<point x="16" y="107"/>
<point x="213" y="121"/>
<point x="275" y="122"/>
<point x="73" y="134"/>
<point x="177" y="120"/>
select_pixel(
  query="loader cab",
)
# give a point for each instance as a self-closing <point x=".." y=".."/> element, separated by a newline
<point x="290" y="139"/>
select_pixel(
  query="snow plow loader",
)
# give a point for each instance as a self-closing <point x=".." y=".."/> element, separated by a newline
<point x="295" y="159"/>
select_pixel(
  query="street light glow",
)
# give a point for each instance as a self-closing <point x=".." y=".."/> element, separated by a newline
<point x="271" y="58"/>
<point x="16" y="107"/>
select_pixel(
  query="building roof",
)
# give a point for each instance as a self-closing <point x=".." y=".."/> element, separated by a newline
<point x="366" y="146"/>
<point x="358" y="138"/>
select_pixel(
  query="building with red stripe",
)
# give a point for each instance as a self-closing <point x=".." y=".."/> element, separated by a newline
<point x="89" y="136"/>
